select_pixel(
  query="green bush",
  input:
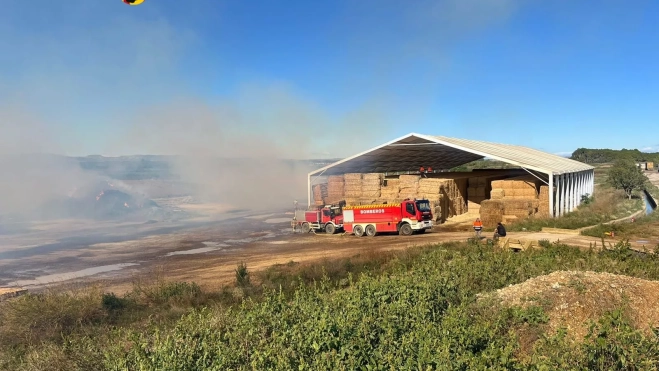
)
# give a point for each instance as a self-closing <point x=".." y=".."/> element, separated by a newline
<point x="112" y="302"/>
<point x="242" y="275"/>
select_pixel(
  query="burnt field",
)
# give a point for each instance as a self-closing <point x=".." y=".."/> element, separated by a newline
<point x="69" y="217"/>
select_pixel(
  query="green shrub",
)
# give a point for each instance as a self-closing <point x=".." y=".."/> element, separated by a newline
<point x="242" y="275"/>
<point x="112" y="302"/>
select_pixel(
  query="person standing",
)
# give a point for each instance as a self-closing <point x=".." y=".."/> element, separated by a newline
<point x="478" y="227"/>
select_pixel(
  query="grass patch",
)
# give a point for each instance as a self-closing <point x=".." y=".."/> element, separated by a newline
<point x="645" y="227"/>
<point x="606" y="204"/>
<point x="417" y="308"/>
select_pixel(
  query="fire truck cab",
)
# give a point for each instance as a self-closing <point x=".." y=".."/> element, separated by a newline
<point x="328" y="219"/>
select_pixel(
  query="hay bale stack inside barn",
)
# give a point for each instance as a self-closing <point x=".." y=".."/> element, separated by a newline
<point x="390" y="190"/>
<point x="320" y="194"/>
<point x="335" y="189"/>
<point x="352" y="188"/>
<point x="371" y="184"/>
<point x="518" y="196"/>
<point x="431" y="189"/>
<point x="409" y="186"/>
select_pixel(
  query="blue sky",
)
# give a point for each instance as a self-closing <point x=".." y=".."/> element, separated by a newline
<point x="328" y="78"/>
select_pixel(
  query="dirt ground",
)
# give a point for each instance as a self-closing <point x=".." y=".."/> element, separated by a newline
<point x="572" y="299"/>
<point x="215" y="269"/>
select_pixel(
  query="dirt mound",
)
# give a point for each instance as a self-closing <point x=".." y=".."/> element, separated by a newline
<point x="571" y="299"/>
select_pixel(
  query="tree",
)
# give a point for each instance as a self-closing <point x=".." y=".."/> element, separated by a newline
<point x="626" y="176"/>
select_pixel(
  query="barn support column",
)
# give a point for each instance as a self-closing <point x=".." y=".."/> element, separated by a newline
<point x="575" y="191"/>
<point x="570" y="193"/>
<point x="581" y="187"/>
<point x="561" y="202"/>
<point x="577" y="194"/>
<point x="308" y="191"/>
<point x="551" y="195"/>
<point x="559" y="196"/>
<point x="566" y="194"/>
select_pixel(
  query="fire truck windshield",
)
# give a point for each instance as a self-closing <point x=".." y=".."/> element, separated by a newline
<point x="423" y="206"/>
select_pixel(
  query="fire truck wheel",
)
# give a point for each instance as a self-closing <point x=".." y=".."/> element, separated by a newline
<point x="370" y="230"/>
<point x="405" y="230"/>
<point x="329" y="228"/>
<point x="358" y="230"/>
<point x="306" y="228"/>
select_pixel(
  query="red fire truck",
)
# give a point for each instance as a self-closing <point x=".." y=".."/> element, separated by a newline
<point x="404" y="218"/>
<point x="328" y="219"/>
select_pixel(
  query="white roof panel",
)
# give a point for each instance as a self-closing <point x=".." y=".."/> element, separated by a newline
<point x="412" y="151"/>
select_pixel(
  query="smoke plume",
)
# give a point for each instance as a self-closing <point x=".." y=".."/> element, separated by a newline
<point x="118" y="89"/>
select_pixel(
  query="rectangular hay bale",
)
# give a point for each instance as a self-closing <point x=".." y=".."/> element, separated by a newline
<point x="335" y="179"/>
<point x="497" y="194"/>
<point x="373" y="177"/>
<point x="409" y="178"/>
<point x="352" y="176"/>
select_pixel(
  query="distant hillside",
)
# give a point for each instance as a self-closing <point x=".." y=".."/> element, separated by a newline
<point x="138" y="167"/>
<point x="599" y="156"/>
<point x="484" y="164"/>
<point x="159" y="167"/>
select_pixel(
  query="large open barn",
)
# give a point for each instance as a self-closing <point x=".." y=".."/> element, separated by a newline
<point x="540" y="184"/>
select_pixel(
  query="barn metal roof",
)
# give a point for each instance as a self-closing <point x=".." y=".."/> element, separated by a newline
<point x="412" y="151"/>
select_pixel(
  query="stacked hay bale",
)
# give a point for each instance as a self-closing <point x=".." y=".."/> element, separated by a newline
<point x="436" y="191"/>
<point x="456" y="190"/>
<point x="518" y="196"/>
<point x="371" y="187"/>
<point x="518" y="209"/>
<point x="453" y="188"/>
<point x="543" y="202"/>
<point x="460" y="199"/>
<point x="352" y="187"/>
<point x="491" y="212"/>
<point x="335" y="187"/>
<point x="497" y="193"/>
<point x="519" y="188"/>
<point x="476" y="193"/>
<point x="431" y="189"/>
<point x="320" y="194"/>
<point x="390" y="191"/>
<point x="409" y="186"/>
